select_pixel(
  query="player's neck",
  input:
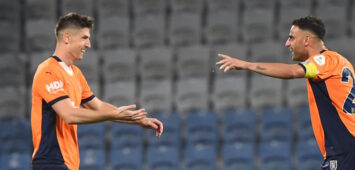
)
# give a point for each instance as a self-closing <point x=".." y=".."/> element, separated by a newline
<point x="63" y="54"/>
<point x="316" y="48"/>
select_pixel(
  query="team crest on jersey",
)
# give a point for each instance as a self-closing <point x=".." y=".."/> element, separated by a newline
<point x="319" y="59"/>
<point x="54" y="87"/>
<point x="333" y="164"/>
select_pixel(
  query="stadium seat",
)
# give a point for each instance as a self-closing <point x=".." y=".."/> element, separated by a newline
<point x="192" y="57"/>
<point x="39" y="36"/>
<point x="214" y="6"/>
<point x="93" y="159"/>
<point x="276" y="125"/>
<point x="12" y="101"/>
<point x="258" y="25"/>
<point x="185" y="29"/>
<point x="263" y="89"/>
<point x="12" y="70"/>
<point x="149" y="7"/>
<point x="37" y="10"/>
<point x="259" y="4"/>
<point x="171" y="137"/>
<point x="201" y="129"/>
<point x="90" y="66"/>
<point x="187" y="6"/>
<point x="165" y="158"/>
<point x="268" y="51"/>
<point x="308" y="156"/>
<point x="335" y="22"/>
<point x="9" y="37"/>
<point x="296" y="4"/>
<point x="113" y="8"/>
<point x="221" y="27"/>
<point x="126" y="137"/>
<point x="275" y="157"/>
<point x="120" y="93"/>
<point x="10" y="11"/>
<point x="239" y="50"/>
<point x="91" y="136"/>
<point x="82" y="7"/>
<point x="229" y="93"/>
<point x="297" y="93"/>
<point x="149" y="31"/>
<point x="127" y="159"/>
<point x="156" y="95"/>
<point x="15" y="161"/>
<point x="200" y="158"/>
<point x="114" y="32"/>
<point x="238" y="157"/>
<point x="156" y="63"/>
<point x="305" y="130"/>
<point x="239" y="127"/>
<point x="15" y="136"/>
<point x="192" y="95"/>
<point x="119" y="65"/>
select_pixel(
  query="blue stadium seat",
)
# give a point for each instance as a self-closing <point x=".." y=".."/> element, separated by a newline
<point x="15" y="161"/>
<point x="15" y="136"/>
<point x="126" y="136"/>
<point x="275" y="156"/>
<point x="91" y="136"/>
<point x="200" y="158"/>
<point x="276" y="125"/>
<point x="92" y="159"/>
<point x="238" y="156"/>
<point x="171" y="135"/>
<point x="308" y="156"/>
<point x="239" y="127"/>
<point x="304" y="128"/>
<point x="201" y="129"/>
<point x="127" y="159"/>
<point x="163" y="158"/>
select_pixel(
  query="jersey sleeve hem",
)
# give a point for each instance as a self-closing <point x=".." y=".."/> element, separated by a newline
<point x="57" y="99"/>
<point x="83" y="101"/>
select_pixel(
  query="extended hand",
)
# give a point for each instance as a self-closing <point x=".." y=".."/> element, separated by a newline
<point x="129" y="113"/>
<point x="152" y="123"/>
<point x="227" y="63"/>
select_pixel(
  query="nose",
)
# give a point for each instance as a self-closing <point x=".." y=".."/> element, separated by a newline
<point x="88" y="44"/>
<point x="287" y="44"/>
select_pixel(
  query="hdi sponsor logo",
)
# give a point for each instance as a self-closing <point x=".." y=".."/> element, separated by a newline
<point x="54" y="86"/>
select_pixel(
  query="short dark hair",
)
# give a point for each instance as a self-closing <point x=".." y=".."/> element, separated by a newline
<point x="312" y="24"/>
<point x="73" y="20"/>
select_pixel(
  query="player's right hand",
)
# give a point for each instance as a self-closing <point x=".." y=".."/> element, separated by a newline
<point x="129" y="113"/>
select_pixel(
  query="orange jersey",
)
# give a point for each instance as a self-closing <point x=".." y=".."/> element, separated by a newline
<point x="55" y="141"/>
<point x="331" y="92"/>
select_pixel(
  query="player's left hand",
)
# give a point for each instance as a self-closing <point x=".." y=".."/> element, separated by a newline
<point x="228" y="63"/>
<point x="152" y="123"/>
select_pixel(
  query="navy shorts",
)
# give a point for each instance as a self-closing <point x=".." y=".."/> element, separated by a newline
<point x="340" y="162"/>
<point x="51" y="167"/>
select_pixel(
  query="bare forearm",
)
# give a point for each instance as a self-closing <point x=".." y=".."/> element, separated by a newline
<point x="82" y="115"/>
<point x="277" y="70"/>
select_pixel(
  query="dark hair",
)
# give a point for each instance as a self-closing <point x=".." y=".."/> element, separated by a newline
<point x="73" y="20"/>
<point x="312" y="24"/>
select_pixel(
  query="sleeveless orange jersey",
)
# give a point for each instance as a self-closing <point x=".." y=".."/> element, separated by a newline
<point x="55" y="142"/>
<point x="331" y="93"/>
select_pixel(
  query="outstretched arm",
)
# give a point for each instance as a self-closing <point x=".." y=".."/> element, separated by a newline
<point x="277" y="70"/>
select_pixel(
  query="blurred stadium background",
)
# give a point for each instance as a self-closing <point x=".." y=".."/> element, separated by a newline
<point x="160" y="54"/>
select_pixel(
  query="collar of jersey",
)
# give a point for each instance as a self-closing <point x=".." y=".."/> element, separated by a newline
<point x="68" y="69"/>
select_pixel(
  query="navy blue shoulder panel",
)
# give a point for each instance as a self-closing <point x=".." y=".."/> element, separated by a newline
<point x="337" y="137"/>
<point x="49" y="152"/>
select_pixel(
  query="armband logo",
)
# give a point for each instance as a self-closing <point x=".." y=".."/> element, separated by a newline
<point x="319" y="59"/>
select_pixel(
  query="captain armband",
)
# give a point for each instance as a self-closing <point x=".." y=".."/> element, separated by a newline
<point x="310" y="69"/>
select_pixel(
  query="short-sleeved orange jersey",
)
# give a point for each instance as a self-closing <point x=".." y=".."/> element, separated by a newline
<point x="55" y="141"/>
<point x="331" y="92"/>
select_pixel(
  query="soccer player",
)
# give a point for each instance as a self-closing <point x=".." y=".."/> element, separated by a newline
<point x="58" y="92"/>
<point x="330" y="84"/>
